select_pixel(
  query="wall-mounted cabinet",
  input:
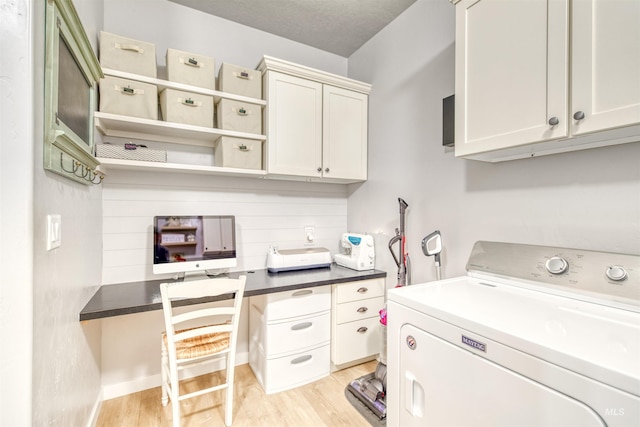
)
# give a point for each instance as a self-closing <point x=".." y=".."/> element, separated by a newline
<point x="316" y="124"/>
<point x="541" y="77"/>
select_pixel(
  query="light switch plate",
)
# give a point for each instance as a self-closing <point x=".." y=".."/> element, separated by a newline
<point x="309" y="235"/>
<point x="54" y="231"/>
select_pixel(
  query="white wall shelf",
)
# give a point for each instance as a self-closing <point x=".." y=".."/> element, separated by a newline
<point x="107" y="164"/>
<point x="164" y="84"/>
<point x="156" y="130"/>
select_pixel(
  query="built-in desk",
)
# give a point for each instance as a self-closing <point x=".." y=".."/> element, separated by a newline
<point x="136" y="297"/>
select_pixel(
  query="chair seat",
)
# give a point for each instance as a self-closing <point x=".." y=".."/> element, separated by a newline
<point x="201" y="345"/>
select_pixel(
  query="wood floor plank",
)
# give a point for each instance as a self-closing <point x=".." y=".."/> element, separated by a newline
<point x="321" y="403"/>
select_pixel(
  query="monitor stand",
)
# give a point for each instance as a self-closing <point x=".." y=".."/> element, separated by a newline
<point x="188" y="276"/>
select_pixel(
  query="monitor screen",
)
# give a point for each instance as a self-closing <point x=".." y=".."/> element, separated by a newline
<point x="185" y="244"/>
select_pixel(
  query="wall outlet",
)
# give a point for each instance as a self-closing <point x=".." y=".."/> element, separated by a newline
<point x="309" y="235"/>
<point x="54" y="231"/>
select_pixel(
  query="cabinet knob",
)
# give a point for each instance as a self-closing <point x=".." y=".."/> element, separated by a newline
<point x="553" y="121"/>
<point x="579" y="115"/>
<point x="362" y="329"/>
<point x="326" y="169"/>
<point x="319" y="169"/>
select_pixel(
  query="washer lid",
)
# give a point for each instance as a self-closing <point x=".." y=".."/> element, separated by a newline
<point x="597" y="341"/>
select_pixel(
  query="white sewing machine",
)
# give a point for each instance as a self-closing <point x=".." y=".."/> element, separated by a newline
<point x="360" y="253"/>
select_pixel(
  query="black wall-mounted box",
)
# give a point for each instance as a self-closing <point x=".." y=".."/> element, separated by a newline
<point x="448" y="121"/>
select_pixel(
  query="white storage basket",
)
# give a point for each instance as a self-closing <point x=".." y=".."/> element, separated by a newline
<point x="190" y="68"/>
<point x="125" y="54"/>
<point x="128" y="98"/>
<point x="240" y="81"/>
<point x="239" y="116"/>
<point x="186" y="108"/>
<point x="130" y="152"/>
<point x="240" y="153"/>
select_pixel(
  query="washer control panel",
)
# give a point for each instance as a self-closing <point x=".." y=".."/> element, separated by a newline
<point x="592" y="274"/>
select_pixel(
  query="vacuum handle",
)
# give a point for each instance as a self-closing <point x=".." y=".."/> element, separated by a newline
<point x="393" y="241"/>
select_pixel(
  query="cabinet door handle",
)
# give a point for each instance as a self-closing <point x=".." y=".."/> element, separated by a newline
<point x="301" y="326"/>
<point x="579" y="115"/>
<point x="301" y="359"/>
<point x="362" y="329"/>
<point x="302" y="293"/>
<point x="553" y="121"/>
<point x="363" y="290"/>
<point x="362" y="310"/>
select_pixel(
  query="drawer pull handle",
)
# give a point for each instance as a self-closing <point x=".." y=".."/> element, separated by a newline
<point x="363" y="290"/>
<point x="302" y="293"/>
<point x="362" y="310"/>
<point x="301" y="326"/>
<point x="362" y="329"/>
<point x="301" y="359"/>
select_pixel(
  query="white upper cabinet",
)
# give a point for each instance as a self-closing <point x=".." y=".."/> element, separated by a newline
<point x="344" y="133"/>
<point x="294" y="125"/>
<point x="605" y="73"/>
<point x="515" y="95"/>
<point x="316" y="124"/>
<point x="508" y="88"/>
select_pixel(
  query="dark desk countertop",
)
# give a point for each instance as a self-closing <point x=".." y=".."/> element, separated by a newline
<point x="137" y="297"/>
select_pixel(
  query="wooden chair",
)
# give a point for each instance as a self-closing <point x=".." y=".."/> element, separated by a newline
<point x="197" y="334"/>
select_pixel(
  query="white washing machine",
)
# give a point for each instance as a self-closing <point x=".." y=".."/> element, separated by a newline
<point x="532" y="336"/>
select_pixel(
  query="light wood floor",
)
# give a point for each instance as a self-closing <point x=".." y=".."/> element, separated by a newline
<point x="321" y="403"/>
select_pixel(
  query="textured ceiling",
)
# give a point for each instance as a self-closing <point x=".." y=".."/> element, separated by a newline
<point x="337" y="26"/>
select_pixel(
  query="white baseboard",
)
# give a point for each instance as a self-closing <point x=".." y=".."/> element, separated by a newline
<point x="93" y="417"/>
<point x="111" y="391"/>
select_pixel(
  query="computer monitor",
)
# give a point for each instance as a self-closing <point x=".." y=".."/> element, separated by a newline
<point x="203" y="244"/>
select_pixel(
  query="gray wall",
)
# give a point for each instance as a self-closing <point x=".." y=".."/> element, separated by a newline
<point x="66" y="360"/>
<point x="588" y="199"/>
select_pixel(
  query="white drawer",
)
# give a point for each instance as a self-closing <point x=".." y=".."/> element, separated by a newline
<point x="125" y="54"/>
<point x="239" y="153"/>
<point x="301" y="302"/>
<point x="128" y="98"/>
<point x="240" y="80"/>
<point x="188" y="108"/>
<point x="290" y="336"/>
<point x="239" y="116"/>
<point x="356" y="340"/>
<point x="191" y="68"/>
<point x="287" y="372"/>
<point x="357" y="310"/>
<point x="353" y="291"/>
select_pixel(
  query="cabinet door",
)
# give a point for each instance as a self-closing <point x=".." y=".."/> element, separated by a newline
<point x="344" y="133"/>
<point x="605" y="64"/>
<point x="511" y="73"/>
<point x="294" y="125"/>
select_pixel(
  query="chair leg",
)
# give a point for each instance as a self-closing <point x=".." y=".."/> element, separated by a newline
<point x="175" y="393"/>
<point x="228" y="402"/>
<point x="164" y="366"/>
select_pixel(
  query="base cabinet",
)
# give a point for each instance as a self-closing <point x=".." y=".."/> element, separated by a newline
<point x="289" y="337"/>
<point x="355" y="321"/>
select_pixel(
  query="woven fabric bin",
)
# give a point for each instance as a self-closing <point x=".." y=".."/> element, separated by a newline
<point x="240" y="153"/>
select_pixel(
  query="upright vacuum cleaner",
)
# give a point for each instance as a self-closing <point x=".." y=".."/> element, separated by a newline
<point x="371" y="389"/>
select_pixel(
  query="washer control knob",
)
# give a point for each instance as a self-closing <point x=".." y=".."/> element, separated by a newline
<point x="556" y="265"/>
<point x="616" y="273"/>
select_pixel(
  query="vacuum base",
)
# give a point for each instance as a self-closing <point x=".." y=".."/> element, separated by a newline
<point x="368" y="390"/>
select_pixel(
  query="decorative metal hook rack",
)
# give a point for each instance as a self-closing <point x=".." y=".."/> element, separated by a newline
<point x="80" y="170"/>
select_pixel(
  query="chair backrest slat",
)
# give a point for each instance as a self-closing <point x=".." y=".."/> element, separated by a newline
<point x="202" y="318"/>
